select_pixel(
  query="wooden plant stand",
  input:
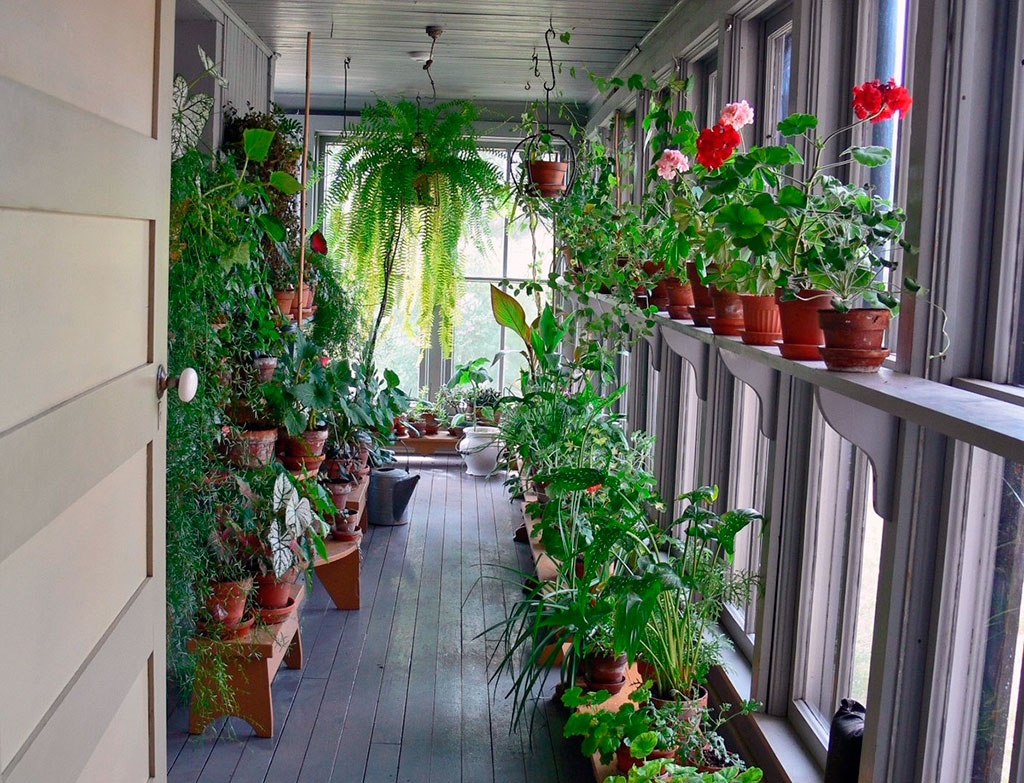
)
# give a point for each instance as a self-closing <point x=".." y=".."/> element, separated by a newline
<point x="426" y="445"/>
<point x="339" y="573"/>
<point x="252" y="663"/>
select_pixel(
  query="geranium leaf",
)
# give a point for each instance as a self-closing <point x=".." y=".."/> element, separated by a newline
<point x="795" y="124"/>
<point x="871" y="156"/>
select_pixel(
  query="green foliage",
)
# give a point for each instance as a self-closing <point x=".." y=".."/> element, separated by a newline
<point x="411" y="186"/>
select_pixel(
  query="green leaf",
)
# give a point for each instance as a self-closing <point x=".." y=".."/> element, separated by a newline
<point x="285" y="182"/>
<point x="257" y="143"/>
<point x="795" y="124"/>
<point x="564" y="37"/>
<point x="871" y="156"/>
<point x="741" y="220"/>
<point x="273" y="226"/>
<point x="237" y="255"/>
<point x="509" y="313"/>
<point x="791" y="196"/>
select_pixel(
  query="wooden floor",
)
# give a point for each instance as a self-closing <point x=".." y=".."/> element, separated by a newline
<point x="398" y="691"/>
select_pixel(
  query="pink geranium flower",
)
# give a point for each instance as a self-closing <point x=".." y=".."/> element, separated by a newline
<point x="738" y="115"/>
<point x="672" y="162"/>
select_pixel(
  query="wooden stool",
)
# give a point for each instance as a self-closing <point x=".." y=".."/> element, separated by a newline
<point x="252" y="662"/>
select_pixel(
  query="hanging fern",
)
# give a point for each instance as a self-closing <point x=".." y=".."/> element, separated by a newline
<point x="411" y="186"/>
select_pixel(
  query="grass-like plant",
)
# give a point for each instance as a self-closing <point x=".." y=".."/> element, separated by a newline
<point x="411" y="185"/>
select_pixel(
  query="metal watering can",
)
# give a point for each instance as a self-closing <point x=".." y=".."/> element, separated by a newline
<point x="389" y="494"/>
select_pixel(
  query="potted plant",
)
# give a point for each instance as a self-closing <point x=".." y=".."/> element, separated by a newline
<point x="826" y="235"/>
<point x="661" y="771"/>
<point x="411" y="185"/>
<point x="686" y="595"/>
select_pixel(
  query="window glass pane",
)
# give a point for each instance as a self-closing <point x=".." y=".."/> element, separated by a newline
<point x="477" y="333"/>
<point x="777" y="81"/>
<point x="838" y="583"/>
<point x="397" y="350"/>
<point x="489" y="260"/>
<point x="996" y="739"/>
<point x="747" y="489"/>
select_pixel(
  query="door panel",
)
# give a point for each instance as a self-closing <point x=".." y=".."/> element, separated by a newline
<point x="97" y="56"/>
<point x="85" y="150"/>
<point x="59" y="617"/>
<point x="129" y="730"/>
<point x="98" y="284"/>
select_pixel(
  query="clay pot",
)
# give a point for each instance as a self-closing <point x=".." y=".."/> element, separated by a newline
<point x="226" y="605"/>
<point x="853" y="340"/>
<point x="655" y="271"/>
<point x="760" y="320"/>
<point x="401" y="431"/>
<point x="801" y="330"/>
<point x="285" y="299"/>
<point x="605" y="672"/>
<point x="346" y="526"/>
<point x="304" y="465"/>
<point x="625" y="760"/>
<point x="548" y="177"/>
<point x="703" y="307"/>
<point x="430" y="425"/>
<point x="274" y="593"/>
<point x="252" y="448"/>
<point x="265" y="366"/>
<point x="728" y="318"/>
<point x="308" y="444"/>
<point x="339" y="492"/>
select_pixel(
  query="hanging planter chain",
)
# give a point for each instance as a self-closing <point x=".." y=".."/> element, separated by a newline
<point x="529" y="149"/>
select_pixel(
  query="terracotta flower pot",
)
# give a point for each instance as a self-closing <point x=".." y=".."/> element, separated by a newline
<point x="728" y="318"/>
<point x="339" y="492"/>
<point x="625" y="760"/>
<point x="703" y="307"/>
<point x="308" y="444"/>
<point x="304" y="465"/>
<point x="265" y="366"/>
<point x="430" y="425"/>
<point x="252" y="448"/>
<point x="274" y="593"/>
<point x="285" y="299"/>
<point x="658" y="296"/>
<point x="226" y="604"/>
<point x="548" y="177"/>
<point x="801" y="330"/>
<point x="760" y="320"/>
<point x="605" y="672"/>
<point x="853" y="340"/>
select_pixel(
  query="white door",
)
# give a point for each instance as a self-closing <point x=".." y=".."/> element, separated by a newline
<point x="84" y="175"/>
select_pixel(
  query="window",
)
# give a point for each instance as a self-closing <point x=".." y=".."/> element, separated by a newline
<point x="749" y="451"/>
<point x="777" y="75"/>
<point x="842" y="546"/>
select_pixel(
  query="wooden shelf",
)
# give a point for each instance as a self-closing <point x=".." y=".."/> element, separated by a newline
<point x="252" y="662"/>
<point x="426" y="445"/>
<point x="339" y="573"/>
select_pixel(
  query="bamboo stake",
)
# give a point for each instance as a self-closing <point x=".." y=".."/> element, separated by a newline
<point x="302" y="196"/>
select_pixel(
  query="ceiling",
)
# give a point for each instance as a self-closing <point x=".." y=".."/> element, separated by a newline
<point x="484" y="54"/>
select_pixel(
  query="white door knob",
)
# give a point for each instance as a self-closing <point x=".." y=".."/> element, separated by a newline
<point x="188" y="384"/>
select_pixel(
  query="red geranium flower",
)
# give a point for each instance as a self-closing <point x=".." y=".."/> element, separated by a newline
<point x="318" y="243"/>
<point x="593" y="490"/>
<point x="876" y="101"/>
<point x="715" y="145"/>
<point x="324" y="361"/>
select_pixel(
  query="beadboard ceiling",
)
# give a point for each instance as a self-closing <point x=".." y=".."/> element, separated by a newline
<point x="484" y="54"/>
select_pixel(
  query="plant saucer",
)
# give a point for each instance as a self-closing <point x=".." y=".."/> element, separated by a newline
<point x="278" y="615"/>
<point x="799" y="352"/>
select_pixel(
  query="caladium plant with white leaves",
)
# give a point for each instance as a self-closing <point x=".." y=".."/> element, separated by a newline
<point x="294" y="520"/>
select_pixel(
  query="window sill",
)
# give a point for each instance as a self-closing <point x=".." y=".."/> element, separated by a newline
<point x="766" y="741"/>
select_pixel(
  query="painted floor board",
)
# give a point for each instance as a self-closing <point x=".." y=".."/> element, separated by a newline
<point x="399" y="690"/>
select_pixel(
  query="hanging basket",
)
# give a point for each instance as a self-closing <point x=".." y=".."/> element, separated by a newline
<point x="549" y="165"/>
